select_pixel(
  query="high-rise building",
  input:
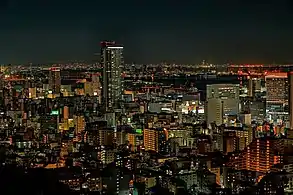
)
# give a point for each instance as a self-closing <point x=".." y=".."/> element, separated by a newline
<point x="224" y="100"/>
<point x="214" y="111"/>
<point x="135" y="140"/>
<point x="112" y="62"/>
<point x="250" y="87"/>
<point x="231" y="142"/>
<point x="88" y="88"/>
<point x="241" y="138"/>
<point x="96" y="85"/>
<point x="223" y="91"/>
<point x="261" y="155"/>
<point x="290" y="101"/>
<point x="257" y="110"/>
<point x="98" y="134"/>
<point x="106" y="137"/>
<point x="277" y="96"/>
<point x="254" y="85"/>
<point x="79" y="124"/>
<point x="277" y="87"/>
<point x="55" y="79"/>
<point x="155" y="140"/>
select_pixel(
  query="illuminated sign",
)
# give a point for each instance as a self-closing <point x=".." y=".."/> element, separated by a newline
<point x="139" y="131"/>
<point x="115" y="47"/>
<point x="55" y="112"/>
<point x="200" y="111"/>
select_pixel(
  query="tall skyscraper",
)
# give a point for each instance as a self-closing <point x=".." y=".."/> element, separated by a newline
<point x="277" y="97"/>
<point x="290" y="78"/>
<point x="55" y="79"/>
<point x="277" y="87"/>
<point x="112" y="62"/>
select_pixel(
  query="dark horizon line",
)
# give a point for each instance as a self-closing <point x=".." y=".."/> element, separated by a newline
<point x="162" y="62"/>
<point x="88" y="61"/>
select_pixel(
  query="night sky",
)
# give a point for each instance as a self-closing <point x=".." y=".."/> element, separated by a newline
<point x="186" y="31"/>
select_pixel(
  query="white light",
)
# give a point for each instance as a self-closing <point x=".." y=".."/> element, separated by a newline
<point x="115" y="47"/>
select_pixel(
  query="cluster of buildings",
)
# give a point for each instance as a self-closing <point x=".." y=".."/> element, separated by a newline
<point x="102" y="133"/>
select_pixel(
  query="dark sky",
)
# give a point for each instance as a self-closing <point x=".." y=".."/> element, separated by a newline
<point x="186" y="31"/>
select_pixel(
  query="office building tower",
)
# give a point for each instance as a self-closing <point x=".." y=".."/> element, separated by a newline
<point x="106" y="137"/>
<point x="250" y="87"/>
<point x="135" y="140"/>
<point x="245" y="119"/>
<point x="88" y="88"/>
<point x="214" y="111"/>
<point x="290" y="101"/>
<point x="231" y="142"/>
<point x="55" y="80"/>
<point x="257" y="110"/>
<point x="79" y="123"/>
<point x="241" y="136"/>
<point x="277" y="96"/>
<point x="254" y="86"/>
<point x="223" y="91"/>
<point x="277" y="87"/>
<point x="112" y="62"/>
<point x="107" y="155"/>
<point x="96" y="85"/>
<point x="121" y="137"/>
<point x="222" y="100"/>
<point x="100" y="136"/>
<point x="257" y="85"/>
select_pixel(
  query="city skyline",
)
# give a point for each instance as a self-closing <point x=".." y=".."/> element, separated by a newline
<point x="146" y="97"/>
<point x="151" y="32"/>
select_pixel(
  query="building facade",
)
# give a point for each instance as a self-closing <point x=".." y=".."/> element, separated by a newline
<point x="112" y="62"/>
